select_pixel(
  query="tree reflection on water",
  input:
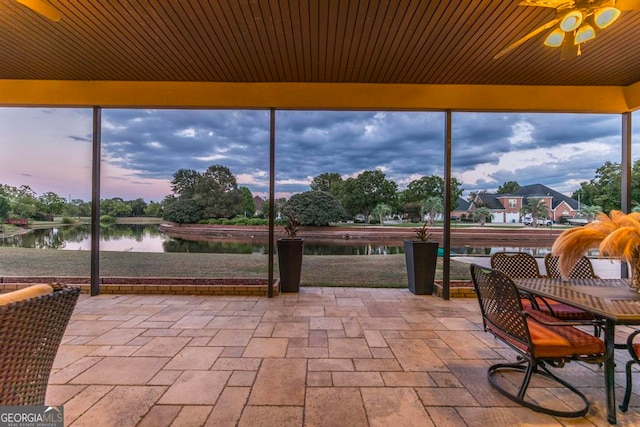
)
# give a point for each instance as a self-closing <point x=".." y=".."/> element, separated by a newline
<point x="147" y="238"/>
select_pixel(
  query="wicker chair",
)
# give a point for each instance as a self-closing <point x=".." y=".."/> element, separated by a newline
<point x="540" y="341"/>
<point x="582" y="270"/>
<point x="30" y="334"/>
<point x="520" y="265"/>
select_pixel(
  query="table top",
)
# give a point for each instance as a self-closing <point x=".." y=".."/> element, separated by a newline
<point x="608" y="298"/>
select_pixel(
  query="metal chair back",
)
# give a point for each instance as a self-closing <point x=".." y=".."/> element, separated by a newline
<point x="517" y="265"/>
<point x="501" y="305"/>
<point x="582" y="270"/>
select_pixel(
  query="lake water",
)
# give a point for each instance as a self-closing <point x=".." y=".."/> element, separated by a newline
<point x="147" y="238"/>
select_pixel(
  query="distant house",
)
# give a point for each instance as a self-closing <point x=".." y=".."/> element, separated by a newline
<point x="258" y="202"/>
<point x="506" y="207"/>
<point x="462" y="208"/>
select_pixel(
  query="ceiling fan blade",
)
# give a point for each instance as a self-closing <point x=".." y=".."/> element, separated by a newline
<point x="43" y="8"/>
<point x="627" y="4"/>
<point x="546" y="3"/>
<point x="527" y="37"/>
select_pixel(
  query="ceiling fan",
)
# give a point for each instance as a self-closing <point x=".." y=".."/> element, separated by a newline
<point x="576" y="22"/>
<point x="43" y="8"/>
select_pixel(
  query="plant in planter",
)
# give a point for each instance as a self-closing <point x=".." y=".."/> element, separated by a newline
<point x="421" y="256"/>
<point x="290" y="255"/>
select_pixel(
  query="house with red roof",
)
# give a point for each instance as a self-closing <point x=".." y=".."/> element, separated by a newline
<point x="506" y="208"/>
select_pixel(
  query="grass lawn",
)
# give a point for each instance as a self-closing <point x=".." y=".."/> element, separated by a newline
<point x="317" y="270"/>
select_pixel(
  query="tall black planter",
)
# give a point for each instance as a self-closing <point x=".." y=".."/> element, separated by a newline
<point x="421" y="260"/>
<point x="290" y="264"/>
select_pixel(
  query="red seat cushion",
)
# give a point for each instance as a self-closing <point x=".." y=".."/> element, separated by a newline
<point x="555" y="341"/>
<point x="636" y="349"/>
<point x="560" y="310"/>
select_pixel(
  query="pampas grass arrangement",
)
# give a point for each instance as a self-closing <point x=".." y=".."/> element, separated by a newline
<point x="616" y="235"/>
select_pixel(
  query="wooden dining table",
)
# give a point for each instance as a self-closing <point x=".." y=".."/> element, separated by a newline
<point x="611" y="300"/>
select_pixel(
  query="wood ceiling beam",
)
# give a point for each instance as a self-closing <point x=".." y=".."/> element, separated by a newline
<point x="632" y="96"/>
<point x="119" y="94"/>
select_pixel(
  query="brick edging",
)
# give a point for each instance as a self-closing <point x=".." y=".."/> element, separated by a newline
<point x="160" y="286"/>
<point x="457" y="289"/>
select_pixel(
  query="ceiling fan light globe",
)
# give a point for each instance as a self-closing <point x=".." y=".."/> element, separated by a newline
<point x="555" y="38"/>
<point x="606" y="16"/>
<point x="571" y="21"/>
<point x="584" y="33"/>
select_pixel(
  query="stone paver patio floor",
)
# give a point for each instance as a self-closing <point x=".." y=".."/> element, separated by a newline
<point x="323" y="357"/>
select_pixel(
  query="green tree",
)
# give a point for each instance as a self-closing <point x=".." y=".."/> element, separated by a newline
<point x="431" y="186"/>
<point x="50" y="203"/>
<point x="382" y="210"/>
<point x="78" y="208"/>
<point x="361" y="194"/>
<point x="115" y="207"/>
<point x="432" y="207"/>
<point x="318" y="208"/>
<point x="249" y="204"/>
<point x="23" y="201"/>
<point x="482" y="214"/>
<point x="154" y="209"/>
<point x="328" y="181"/>
<point x="138" y="206"/>
<point x="413" y="210"/>
<point x="215" y="191"/>
<point x="184" y="182"/>
<point x="5" y="207"/>
<point x="183" y="211"/>
<point x="508" y="187"/>
<point x="605" y="188"/>
<point x="265" y="208"/>
<point x="590" y="211"/>
<point x="537" y="209"/>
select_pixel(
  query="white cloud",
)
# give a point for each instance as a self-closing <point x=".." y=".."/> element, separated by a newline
<point x="293" y="182"/>
<point x="256" y="178"/>
<point x="544" y="158"/>
<point x="522" y="131"/>
<point x="211" y="158"/>
<point x="187" y="133"/>
<point x="403" y="183"/>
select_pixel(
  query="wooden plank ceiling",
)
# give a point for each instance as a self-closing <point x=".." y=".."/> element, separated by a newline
<point x="315" y="41"/>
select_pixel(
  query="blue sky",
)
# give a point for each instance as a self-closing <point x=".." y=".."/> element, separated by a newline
<point x="50" y="149"/>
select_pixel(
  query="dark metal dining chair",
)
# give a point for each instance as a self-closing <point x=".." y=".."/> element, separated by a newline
<point x="582" y="270"/>
<point x="517" y="265"/>
<point x="634" y="351"/>
<point x="521" y="265"/>
<point x="541" y="341"/>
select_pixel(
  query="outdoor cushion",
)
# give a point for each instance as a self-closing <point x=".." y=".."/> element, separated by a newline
<point x="564" y="311"/>
<point x="26" y="293"/>
<point x="555" y="341"/>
